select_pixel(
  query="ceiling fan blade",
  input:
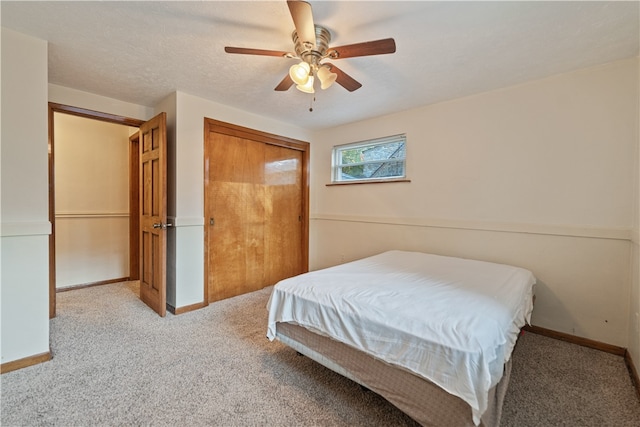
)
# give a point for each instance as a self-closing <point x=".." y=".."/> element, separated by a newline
<point x="376" y="47"/>
<point x="285" y="84"/>
<point x="303" y="20"/>
<point x="345" y="80"/>
<point x="246" y="51"/>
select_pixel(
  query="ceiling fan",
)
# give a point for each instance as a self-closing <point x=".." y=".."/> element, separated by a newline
<point x="311" y="44"/>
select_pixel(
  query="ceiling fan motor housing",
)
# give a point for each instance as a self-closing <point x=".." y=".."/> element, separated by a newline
<point x="313" y="54"/>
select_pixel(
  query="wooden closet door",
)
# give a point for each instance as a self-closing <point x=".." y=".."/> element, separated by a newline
<point x="256" y="209"/>
<point x="237" y="212"/>
<point x="283" y="213"/>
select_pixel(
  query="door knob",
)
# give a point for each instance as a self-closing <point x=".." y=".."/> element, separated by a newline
<point x="162" y="225"/>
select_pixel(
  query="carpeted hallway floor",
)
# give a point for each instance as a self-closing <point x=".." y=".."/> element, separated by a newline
<point x="118" y="363"/>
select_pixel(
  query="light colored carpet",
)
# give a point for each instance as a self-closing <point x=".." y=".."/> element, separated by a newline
<point x="115" y="362"/>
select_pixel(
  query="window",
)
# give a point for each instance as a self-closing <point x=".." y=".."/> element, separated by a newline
<point x="376" y="159"/>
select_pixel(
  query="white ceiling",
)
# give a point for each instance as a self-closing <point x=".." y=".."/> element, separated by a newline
<point x="140" y="52"/>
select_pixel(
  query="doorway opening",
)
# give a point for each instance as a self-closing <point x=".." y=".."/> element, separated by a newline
<point x="90" y="205"/>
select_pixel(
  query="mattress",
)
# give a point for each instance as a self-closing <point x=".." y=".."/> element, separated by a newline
<point x="449" y="320"/>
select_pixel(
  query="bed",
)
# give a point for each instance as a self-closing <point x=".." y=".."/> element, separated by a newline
<point x="431" y="334"/>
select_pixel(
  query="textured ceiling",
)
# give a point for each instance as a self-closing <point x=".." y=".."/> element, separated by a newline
<point x="140" y="52"/>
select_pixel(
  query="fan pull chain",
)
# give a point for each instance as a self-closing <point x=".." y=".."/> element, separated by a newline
<point x="313" y="99"/>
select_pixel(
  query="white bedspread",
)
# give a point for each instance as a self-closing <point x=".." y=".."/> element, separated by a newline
<point x="453" y="321"/>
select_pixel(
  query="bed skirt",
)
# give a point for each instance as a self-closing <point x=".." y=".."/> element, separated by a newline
<point x="419" y="398"/>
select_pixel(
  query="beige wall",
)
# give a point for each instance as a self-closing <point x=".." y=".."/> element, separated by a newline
<point x="539" y="175"/>
<point x="78" y="98"/>
<point x="24" y="227"/>
<point x="92" y="200"/>
<point x="634" y="312"/>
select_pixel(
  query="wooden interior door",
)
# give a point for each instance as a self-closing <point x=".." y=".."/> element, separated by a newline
<point x="153" y="213"/>
<point x="256" y="207"/>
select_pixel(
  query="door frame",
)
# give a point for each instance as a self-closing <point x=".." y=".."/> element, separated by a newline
<point x="95" y="115"/>
<point x="134" y="206"/>
<point x="216" y="126"/>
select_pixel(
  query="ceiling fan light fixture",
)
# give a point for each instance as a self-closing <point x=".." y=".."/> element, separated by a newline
<point x="307" y="87"/>
<point x="299" y="73"/>
<point x="311" y="44"/>
<point x="326" y="77"/>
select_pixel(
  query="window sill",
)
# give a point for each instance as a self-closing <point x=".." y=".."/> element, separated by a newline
<point x="377" y="181"/>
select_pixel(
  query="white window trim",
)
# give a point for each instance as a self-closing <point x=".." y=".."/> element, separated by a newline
<point x="335" y="155"/>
